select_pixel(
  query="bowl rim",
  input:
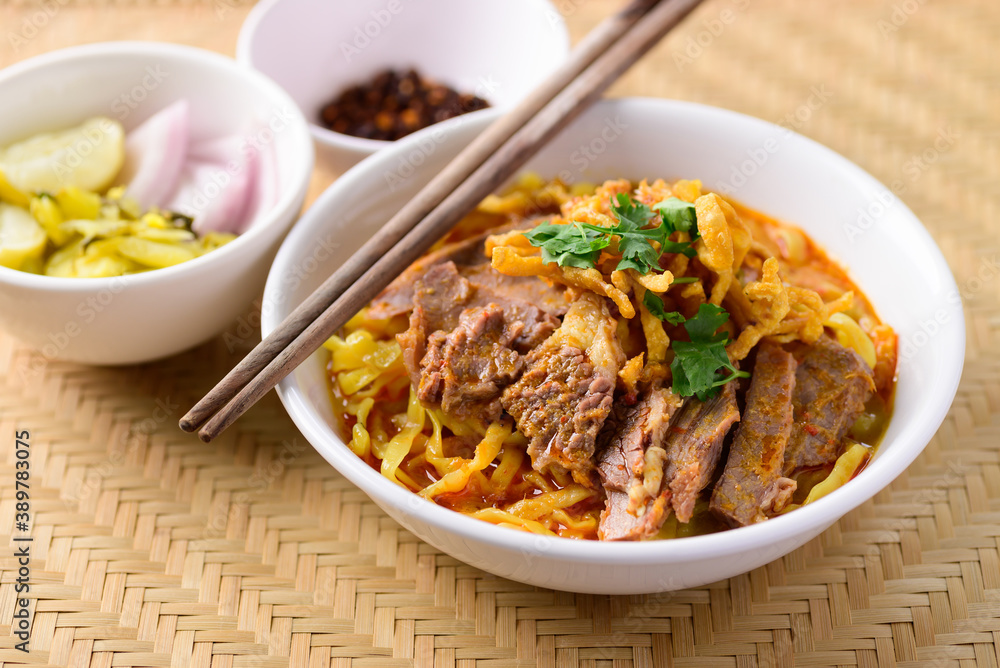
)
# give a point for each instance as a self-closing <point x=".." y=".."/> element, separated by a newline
<point x="822" y="513"/>
<point x="299" y="177"/>
<point x="362" y="145"/>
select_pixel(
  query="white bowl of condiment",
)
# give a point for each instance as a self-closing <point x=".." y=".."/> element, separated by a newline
<point x="885" y="249"/>
<point x="499" y="50"/>
<point x="145" y="316"/>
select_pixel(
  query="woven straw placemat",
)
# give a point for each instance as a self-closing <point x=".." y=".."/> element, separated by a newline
<point x="152" y="549"/>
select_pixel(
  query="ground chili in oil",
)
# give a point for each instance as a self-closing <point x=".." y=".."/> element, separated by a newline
<point x="395" y="104"/>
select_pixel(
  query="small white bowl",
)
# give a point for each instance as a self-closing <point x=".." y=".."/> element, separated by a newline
<point x="858" y="220"/>
<point x="315" y="49"/>
<point x="146" y="316"/>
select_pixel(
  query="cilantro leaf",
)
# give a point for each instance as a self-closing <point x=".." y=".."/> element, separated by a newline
<point x="580" y="244"/>
<point x="682" y="247"/>
<point x="635" y="240"/>
<point x="571" y="245"/>
<point x="695" y="368"/>
<point x="700" y="365"/>
<point x="678" y="215"/>
<point x="654" y="304"/>
<point x="634" y="243"/>
<point x="684" y="279"/>
<point x="631" y="215"/>
<point x="638" y="254"/>
<point x="702" y="327"/>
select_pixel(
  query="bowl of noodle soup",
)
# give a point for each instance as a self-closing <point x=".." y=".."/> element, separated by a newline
<point x="879" y="244"/>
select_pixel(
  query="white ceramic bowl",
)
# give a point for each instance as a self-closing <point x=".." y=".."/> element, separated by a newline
<point x="150" y="315"/>
<point x="887" y="250"/>
<point x="497" y="49"/>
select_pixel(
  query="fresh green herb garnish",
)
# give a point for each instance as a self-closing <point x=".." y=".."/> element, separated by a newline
<point x="580" y="244"/>
<point x="631" y="215"/>
<point x="700" y="365"/>
<point x="654" y="304"/>
<point x="635" y="243"/>
<point x="678" y="215"/>
<point x="570" y="245"/>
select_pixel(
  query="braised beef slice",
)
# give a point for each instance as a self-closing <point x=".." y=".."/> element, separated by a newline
<point x="751" y="486"/>
<point x="832" y="385"/>
<point x="694" y="445"/>
<point x="564" y="396"/>
<point x="618" y="522"/>
<point x="560" y="403"/>
<point x="626" y="439"/>
<point x="399" y="296"/>
<point x="472" y="263"/>
<point x="465" y="343"/>
<point x="465" y="370"/>
<point x="441" y="296"/>
<point x="437" y="306"/>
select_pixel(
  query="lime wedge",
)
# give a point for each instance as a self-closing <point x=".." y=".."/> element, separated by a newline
<point x="87" y="157"/>
<point x="21" y="237"/>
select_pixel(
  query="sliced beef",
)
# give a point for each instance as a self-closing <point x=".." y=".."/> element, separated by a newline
<point x="466" y="369"/>
<point x="618" y="522"/>
<point x="437" y="306"/>
<point x="465" y="343"/>
<point x="694" y="445"/>
<point x="832" y="385"/>
<point x="637" y="501"/>
<point x="471" y="261"/>
<point x="441" y="296"/>
<point x="551" y="299"/>
<point x="751" y="486"/>
<point x="398" y="296"/>
<point x="565" y="394"/>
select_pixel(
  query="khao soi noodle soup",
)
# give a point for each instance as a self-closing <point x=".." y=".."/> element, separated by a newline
<point x="620" y="362"/>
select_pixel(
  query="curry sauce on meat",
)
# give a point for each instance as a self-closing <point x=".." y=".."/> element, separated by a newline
<point x="627" y="361"/>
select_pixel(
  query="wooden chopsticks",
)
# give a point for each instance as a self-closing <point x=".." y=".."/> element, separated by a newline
<point x="426" y="200"/>
<point x="477" y="171"/>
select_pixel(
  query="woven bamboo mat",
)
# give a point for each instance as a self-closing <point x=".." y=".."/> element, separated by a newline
<point x="152" y="549"/>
